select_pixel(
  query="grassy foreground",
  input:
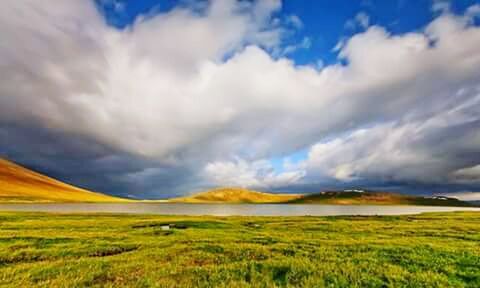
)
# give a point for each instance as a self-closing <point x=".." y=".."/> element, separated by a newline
<point x="103" y="250"/>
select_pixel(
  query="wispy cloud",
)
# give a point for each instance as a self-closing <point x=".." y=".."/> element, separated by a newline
<point x="361" y="20"/>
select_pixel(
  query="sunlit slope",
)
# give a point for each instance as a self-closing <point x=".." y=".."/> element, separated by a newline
<point x="241" y="195"/>
<point x="236" y="195"/>
<point x="18" y="184"/>
<point x="374" y="198"/>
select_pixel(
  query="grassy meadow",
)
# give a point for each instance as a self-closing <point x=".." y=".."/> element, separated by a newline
<point x="105" y="250"/>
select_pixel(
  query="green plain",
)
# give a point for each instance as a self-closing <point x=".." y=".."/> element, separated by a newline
<point x="106" y="250"/>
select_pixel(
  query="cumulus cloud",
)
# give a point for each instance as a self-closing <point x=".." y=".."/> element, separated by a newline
<point x="256" y="174"/>
<point x="181" y="93"/>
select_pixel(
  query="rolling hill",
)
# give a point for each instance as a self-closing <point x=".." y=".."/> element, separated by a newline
<point x="19" y="184"/>
<point x="375" y="198"/>
<point x="236" y="195"/>
<point x="350" y="197"/>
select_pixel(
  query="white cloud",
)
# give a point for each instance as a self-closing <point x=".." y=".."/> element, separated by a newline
<point x="340" y="44"/>
<point x="295" y="21"/>
<point x="467" y="174"/>
<point x="442" y="6"/>
<point x="473" y="11"/>
<point x="162" y="89"/>
<point x="256" y="174"/>
<point x="465" y="196"/>
<point x="424" y="150"/>
<point x="361" y="19"/>
<point x="305" y="44"/>
<point x="320" y="64"/>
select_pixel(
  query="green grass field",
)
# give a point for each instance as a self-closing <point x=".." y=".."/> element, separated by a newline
<point x="103" y="250"/>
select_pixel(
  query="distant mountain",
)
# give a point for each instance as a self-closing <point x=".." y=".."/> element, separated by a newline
<point x="236" y="195"/>
<point x="346" y="197"/>
<point x="365" y="197"/>
<point x="19" y="184"/>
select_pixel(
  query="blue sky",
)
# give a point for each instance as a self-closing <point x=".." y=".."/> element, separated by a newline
<point x="324" y="22"/>
<point x="160" y="98"/>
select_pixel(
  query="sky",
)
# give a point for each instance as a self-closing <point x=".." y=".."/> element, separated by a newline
<point x="154" y="99"/>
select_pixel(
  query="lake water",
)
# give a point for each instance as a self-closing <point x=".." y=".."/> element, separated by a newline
<point x="229" y="209"/>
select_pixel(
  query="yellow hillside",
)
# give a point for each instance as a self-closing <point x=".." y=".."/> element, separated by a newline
<point x="236" y="195"/>
<point x="18" y="184"/>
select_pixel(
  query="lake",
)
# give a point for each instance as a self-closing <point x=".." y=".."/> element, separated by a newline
<point x="229" y="209"/>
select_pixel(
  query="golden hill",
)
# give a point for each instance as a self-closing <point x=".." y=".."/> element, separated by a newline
<point x="19" y="184"/>
<point x="236" y="195"/>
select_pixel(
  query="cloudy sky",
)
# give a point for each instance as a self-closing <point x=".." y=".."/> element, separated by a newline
<point x="151" y="99"/>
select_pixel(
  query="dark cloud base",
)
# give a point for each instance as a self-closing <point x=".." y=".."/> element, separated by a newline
<point x="93" y="166"/>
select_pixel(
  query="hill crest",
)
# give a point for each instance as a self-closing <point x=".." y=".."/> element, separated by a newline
<point x="236" y="195"/>
<point x="20" y="184"/>
<point x="368" y="197"/>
